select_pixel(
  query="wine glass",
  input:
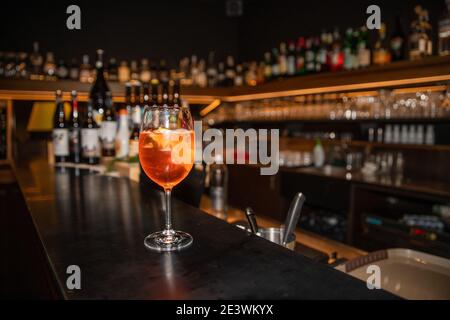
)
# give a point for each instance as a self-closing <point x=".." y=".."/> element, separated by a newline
<point x="166" y="153"/>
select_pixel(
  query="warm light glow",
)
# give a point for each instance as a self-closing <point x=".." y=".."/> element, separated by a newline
<point x="334" y="89"/>
<point x="210" y="107"/>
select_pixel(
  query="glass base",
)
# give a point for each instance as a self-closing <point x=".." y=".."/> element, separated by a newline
<point x="163" y="241"/>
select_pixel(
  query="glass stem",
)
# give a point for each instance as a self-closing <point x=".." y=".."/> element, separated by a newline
<point x="168" y="193"/>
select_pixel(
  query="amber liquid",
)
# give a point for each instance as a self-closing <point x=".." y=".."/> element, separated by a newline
<point x="166" y="155"/>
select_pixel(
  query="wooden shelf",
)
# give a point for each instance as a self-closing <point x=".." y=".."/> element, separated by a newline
<point x="398" y="74"/>
<point x="411" y="187"/>
<point x="363" y="144"/>
<point x="281" y="123"/>
<point x="394" y="75"/>
<point x="20" y="89"/>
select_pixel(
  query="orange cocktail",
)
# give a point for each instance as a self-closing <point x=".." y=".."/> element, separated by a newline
<point x="166" y="155"/>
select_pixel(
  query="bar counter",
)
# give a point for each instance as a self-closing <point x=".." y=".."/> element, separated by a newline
<point x="99" y="223"/>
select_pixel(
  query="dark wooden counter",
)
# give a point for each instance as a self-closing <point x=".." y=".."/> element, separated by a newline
<point x="99" y="223"/>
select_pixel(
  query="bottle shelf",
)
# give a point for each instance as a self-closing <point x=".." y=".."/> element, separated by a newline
<point x="395" y="75"/>
<point x="364" y="144"/>
<point x="282" y="122"/>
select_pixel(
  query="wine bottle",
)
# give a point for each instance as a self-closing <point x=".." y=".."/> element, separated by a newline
<point x="100" y="87"/>
<point x="136" y="124"/>
<point x="108" y="128"/>
<point x="300" y="56"/>
<point x="291" y="70"/>
<point x="60" y="131"/>
<point x="397" y="42"/>
<point x="90" y="142"/>
<point x="85" y="70"/>
<point x="62" y="71"/>
<point x="36" y="61"/>
<point x="211" y="71"/>
<point x="74" y="72"/>
<point x="75" y="130"/>
<point x="154" y="101"/>
<point x="50" y="67"/>
<point x="123" y="135"/>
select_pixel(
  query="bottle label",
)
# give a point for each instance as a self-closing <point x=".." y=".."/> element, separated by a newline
<point x="122" y="147"/>
<point x="291" y="65"/>
<point x="134" y="148"/>
<point x="75" y="141"/>
<point x="108" y="133"/>
<point x="90" y="143"/>
<point x="61" y="142"/>
<point x="422" y="45"/>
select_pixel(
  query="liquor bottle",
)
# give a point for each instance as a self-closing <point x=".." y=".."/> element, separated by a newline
<point x="397" y="42"/>
<point x="319" y="154"/>
<point x="134" y="71"/>
<point x="145" y="74"/>
<point x="154" y="69"/>
<point x="90" y="140"/>
<point x="123" y="135"/>
<point x="108" y="128"/>
<point x="322" y="52"/>
<point x="113" y="73"/>
<point x="154" y="101"/>
<point x="260" y="73"/>
<point x="310" y="57"/>
<point x="420" y="44"/>
<point x="62" y="71"/>
<point x="230" y="72"/>
<point x="267" y="66"/>
<point x="183" y="70"/>
<point x="239" y="79"/>
<point x="137" y="105"/>
<point x="100" y="88"/>
<point x="211" y="72"/>
<point x="124" y="72"/>
<point x="128" y="97"/>
<point x="60" y="131"/>
<point x="21" y="66"/>
<point x="282" y="60"/>
<point x="363" y="50"/>
<point x="176" y="102"/>
<point x="381" y="53"/>
<point x="291" y="63"/>
<point x="300" y="56"/>
<point x="163" y="71"/>
<point x="202" y="79"/>
<point x="10" y="65"/>
<point x="354" y="46"/>
<point x="428" y="31"/>
<point x="444" y="33"/>
<point x="75" y="130"/>
<point x="165" y="94"/>
<point x="74" y="72"/>
<point x="133" y="149"/>
<point x="275" y="64"/>
<point x="50" y="67"/>
<point x="36" y="61"/>
<point x="218" y="186"/>
<point x="145" y="96"/>
<point x="319" y="56"/>
<point x="193" y="70"/>
<point x="85" y="70"/>
<point x="337" y="55"/>
<point x="221" y="78"/>
<point x="347" y="49"/>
